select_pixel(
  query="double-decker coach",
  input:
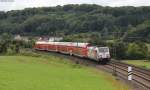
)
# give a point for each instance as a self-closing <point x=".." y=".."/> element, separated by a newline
<point x="100" y="54"/>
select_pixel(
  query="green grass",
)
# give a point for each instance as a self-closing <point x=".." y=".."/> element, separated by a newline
<point x="52" y="73"/>
<point x="141" y="63"/>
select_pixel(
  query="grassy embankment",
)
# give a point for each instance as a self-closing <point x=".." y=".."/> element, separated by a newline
<point x="52" y="73"/>
<point x="141" y="63"/>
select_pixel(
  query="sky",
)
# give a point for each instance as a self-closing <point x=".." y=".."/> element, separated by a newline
<point x="7" y="5"/>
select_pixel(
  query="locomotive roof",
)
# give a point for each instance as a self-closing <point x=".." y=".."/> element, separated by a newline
<point x="77" y="44"/>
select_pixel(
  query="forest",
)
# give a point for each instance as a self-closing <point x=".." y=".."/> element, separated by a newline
<point x="73" y="19"/>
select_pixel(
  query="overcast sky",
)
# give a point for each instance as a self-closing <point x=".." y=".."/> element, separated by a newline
<point x="6" y="5"/>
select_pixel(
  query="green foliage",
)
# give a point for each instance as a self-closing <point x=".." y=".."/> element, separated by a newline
<point x="30" y="53"/>
<point x="93" y="38"/>
<point x="96" y="39"/>
<point x="10" y="46"/>
<point x="82" y="37"/>
<point x="139" y="33"/>
<point x="122" y="50"/>
<point x="141" y="63"/>
<point x="118" y="50"/>
<point x="73" y="19"/>
<point x="137" y="51"/>
<point x="11" y="50"/>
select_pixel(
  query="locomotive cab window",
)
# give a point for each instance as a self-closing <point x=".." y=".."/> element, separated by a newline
<point x="104" y="49"/>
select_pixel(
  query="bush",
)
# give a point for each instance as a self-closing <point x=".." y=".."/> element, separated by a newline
<point x="29" y="53"/>
<point x="10" y="51"/>
<point x="118" y="49"/>
<point x="10" y="46"/>
<point x="137" y="51"/>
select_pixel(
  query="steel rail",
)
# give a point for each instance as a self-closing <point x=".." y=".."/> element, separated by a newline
<point x="138" y="70"/>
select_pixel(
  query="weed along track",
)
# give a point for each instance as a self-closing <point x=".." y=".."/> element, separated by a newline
<point x="140" y="76"/>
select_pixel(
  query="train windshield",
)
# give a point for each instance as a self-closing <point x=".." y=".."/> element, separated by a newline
<point x="103" y="49"/>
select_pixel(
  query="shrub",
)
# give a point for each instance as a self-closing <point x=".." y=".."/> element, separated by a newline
<point x="137" y="51"/>
<point x="29" y="53"/>
<point x="10" y="51"/>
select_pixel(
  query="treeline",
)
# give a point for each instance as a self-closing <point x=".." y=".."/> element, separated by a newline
<point x="73" y="19"/>
<point x="119" y="48"/>
<point x="136" y="50"/>
<point x="10" y="46"/>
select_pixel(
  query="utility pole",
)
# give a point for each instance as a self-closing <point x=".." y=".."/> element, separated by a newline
<point x="114" y="54"/>
<point x="116" y="35"/>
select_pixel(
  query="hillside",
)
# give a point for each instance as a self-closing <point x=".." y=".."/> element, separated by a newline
<point x="52" y="73"/>
<point x="74" y="19"/>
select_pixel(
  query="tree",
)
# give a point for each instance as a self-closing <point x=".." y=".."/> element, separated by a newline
<point x="97" y="40"/>
<point x="137" y="51"/>
<point x="139" y="33"/>
<point x="74" y="19"/>
<point x="119" y="50"/>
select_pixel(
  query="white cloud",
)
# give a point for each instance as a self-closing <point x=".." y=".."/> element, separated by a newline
<point x="20" y="4"/>
<point x="130" y="3"/>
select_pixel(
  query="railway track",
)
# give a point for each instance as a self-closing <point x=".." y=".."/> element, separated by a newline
<point x="141" y="76"/>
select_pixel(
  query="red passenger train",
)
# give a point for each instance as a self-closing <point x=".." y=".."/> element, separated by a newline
<point x="100" y="54"/>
